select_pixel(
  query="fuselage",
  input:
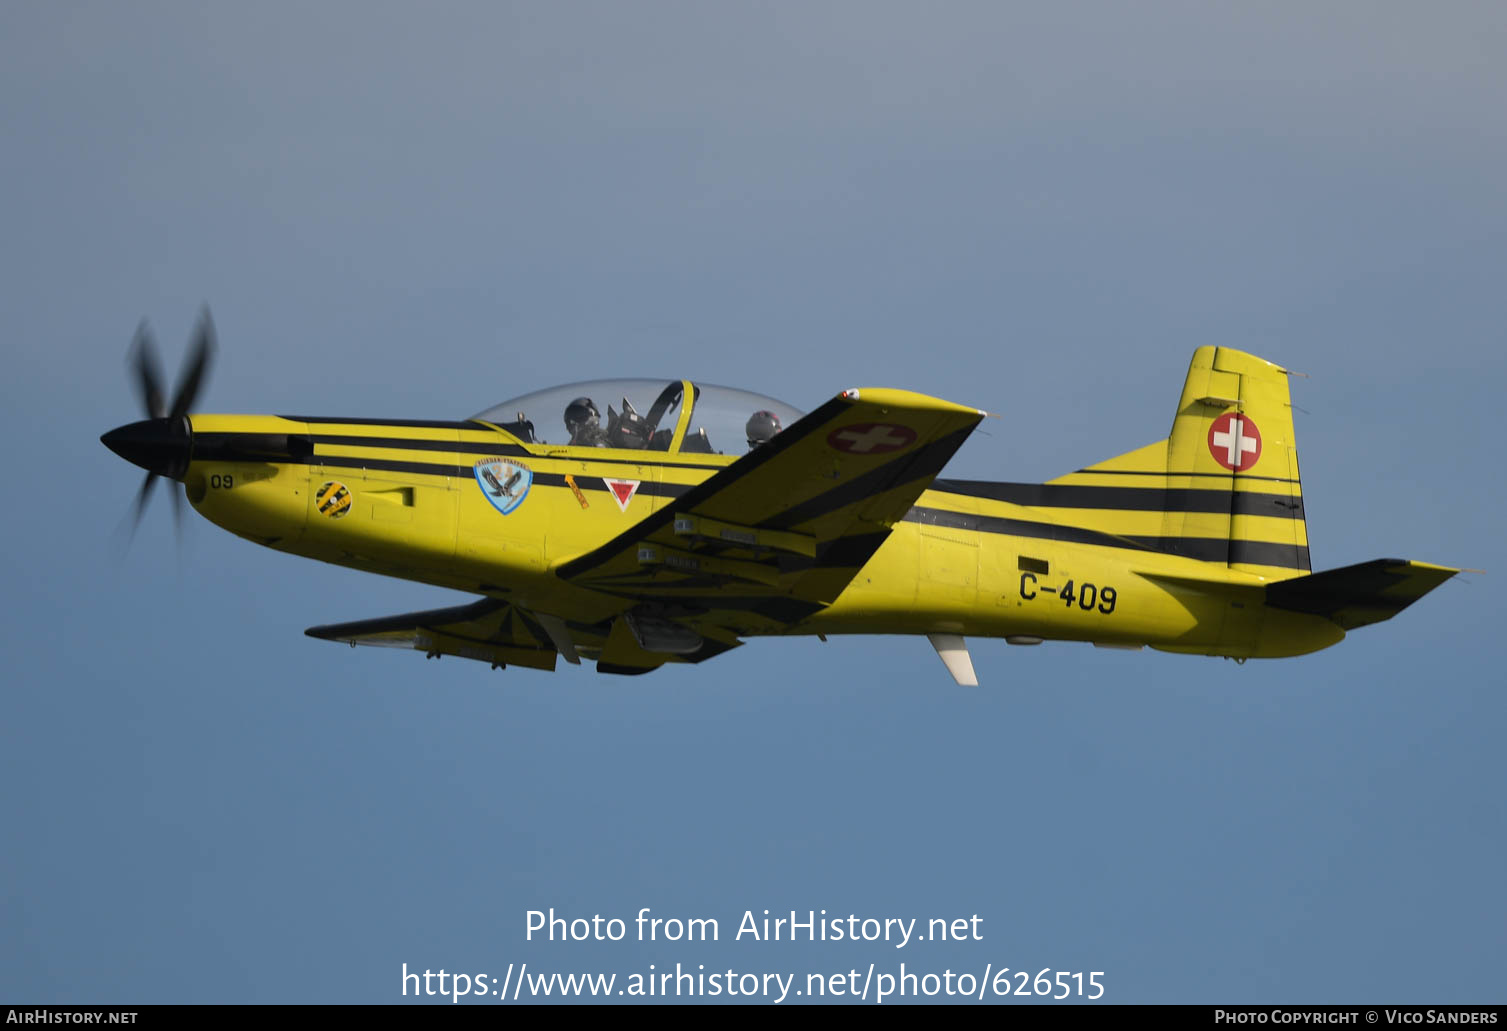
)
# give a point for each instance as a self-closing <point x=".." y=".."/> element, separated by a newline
<point x="445" y="503"/>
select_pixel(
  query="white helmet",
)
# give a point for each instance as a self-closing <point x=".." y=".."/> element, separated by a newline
<point x="761" y="428"/>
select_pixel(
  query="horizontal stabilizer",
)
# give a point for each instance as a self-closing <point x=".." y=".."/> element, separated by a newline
<point x="1359" y="595"/>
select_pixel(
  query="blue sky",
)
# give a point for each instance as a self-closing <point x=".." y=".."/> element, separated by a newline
<point x="1037" y="210"/>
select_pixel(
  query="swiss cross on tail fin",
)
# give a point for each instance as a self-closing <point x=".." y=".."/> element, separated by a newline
<point x="1234" y="441"/>
<point x="780" y="532"/>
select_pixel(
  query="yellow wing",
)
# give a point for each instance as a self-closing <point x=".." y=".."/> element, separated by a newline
<point x="489" y="630"/>
<point x="779" y="533"/>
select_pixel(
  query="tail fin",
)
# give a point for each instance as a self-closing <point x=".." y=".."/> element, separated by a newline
<point x="1225" y="483"/>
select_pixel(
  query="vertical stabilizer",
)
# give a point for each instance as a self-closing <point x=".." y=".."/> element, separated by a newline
<point x="1234" y="432"/>
<point x="1225" y="483"/>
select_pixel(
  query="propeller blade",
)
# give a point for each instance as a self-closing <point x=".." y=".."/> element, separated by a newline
<point x="175" y="492"/>
<point x="148" y="371"/>
<point x="161" y="443"/>
<point x="201" y="353"/>
<point x="141" y="499"/>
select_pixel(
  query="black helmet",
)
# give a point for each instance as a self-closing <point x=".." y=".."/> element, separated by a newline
<point x="761" y="428"/>
<point x="581" y="414"/>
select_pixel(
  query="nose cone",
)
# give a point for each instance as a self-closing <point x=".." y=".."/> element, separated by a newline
<point x="161" y="446"/>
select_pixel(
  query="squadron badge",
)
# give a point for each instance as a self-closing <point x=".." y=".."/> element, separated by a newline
<point x="333" y="499"/>
<point x="504" y="482"/>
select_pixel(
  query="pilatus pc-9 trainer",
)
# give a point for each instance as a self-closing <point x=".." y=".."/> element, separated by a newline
<point x="637" y="522"/>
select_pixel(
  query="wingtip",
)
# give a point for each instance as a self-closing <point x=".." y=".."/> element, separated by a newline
<point x="908" y="399"/>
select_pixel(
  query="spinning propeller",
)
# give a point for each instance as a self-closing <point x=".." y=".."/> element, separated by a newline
<point x="161" y="443"/>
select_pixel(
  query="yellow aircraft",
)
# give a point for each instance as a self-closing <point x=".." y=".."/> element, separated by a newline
<point x="691" y="517"/>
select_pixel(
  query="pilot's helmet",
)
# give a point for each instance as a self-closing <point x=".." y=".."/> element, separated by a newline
<point x="581" y="415"/>
<point x="761" y="428"/>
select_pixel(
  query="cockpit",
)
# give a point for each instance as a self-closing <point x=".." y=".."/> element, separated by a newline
<point x="676" y="416"/>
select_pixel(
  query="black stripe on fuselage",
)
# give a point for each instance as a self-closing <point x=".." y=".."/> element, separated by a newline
<point x="1132" y="499"/>
<point x="255" y="447"/>
<point x="648" y="488"/>
<point x="1205" y="549"/>
<point x="422" y="424"/>
<point x="251" y="447"/>
<point x="608" y="456"/>
<point x="1230" y="552"/>
<point x="464" y="447"/>
<point x="1016" y="527"/>
<point x="1168" y="472"/>
<point x="582" y="454"/>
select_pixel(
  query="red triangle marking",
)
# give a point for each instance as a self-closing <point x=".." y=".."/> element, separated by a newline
<point x="622" y="490"/>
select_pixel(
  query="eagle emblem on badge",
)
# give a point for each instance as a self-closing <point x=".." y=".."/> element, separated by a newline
<point x="503" y="482"/>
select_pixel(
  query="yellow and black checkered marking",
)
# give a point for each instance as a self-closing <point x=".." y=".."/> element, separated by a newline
<point x="333" y="499"/>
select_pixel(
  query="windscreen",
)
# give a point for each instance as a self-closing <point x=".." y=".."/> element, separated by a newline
<point x="645" y="415"/>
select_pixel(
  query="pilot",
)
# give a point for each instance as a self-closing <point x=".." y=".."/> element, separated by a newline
<point x="761" y="428"/>
<point x="584" y="423"/>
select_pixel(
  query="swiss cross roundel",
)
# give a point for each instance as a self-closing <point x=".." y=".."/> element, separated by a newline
<point x="1234" y="441"/>
<point x="871" y="438"/>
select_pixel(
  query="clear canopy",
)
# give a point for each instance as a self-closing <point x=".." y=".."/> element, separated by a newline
<point x="645" y="415"/>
